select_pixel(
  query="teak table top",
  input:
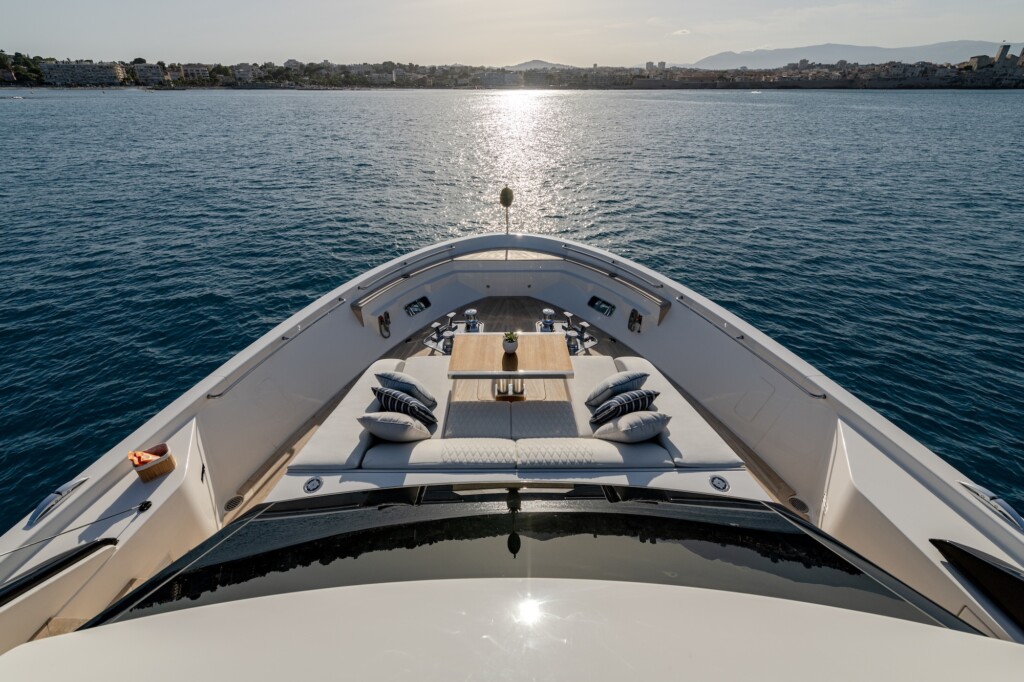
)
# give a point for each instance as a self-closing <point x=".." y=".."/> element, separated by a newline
<point x="539" y="356"/>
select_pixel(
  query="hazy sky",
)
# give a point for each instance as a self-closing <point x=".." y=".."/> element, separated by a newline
<point x="578" y="32"/>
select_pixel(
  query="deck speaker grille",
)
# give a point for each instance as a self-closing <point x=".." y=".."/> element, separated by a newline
<point x="799" y="505"/>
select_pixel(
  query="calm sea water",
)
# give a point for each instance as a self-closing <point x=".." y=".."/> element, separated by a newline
<point x="145" y="238"/>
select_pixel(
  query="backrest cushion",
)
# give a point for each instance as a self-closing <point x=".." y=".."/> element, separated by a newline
<point x="634" y="427"/>
<point x="400" y="381"/>
<point x="396" y="401"/>
<point x="624" y="403"/>
<point x="620" y="382"/>
<point x="394" y="427"/>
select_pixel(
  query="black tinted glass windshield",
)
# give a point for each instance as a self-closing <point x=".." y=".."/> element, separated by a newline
<point x="584" y="532"/>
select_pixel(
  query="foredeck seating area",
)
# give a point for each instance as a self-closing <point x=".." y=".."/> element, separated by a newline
<point x="553" y="432"/>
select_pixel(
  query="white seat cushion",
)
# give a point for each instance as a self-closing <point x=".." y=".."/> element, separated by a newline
<point x="691" y="441"/>
<point x="447" y="453"/>
<point x="341" y="441"/>
<point x="478" y="419"/>
<point x="543" y="419"/>
<point x="432" y="372"/>
<point x="557" y="453"/>
<point x="589" y="371"/>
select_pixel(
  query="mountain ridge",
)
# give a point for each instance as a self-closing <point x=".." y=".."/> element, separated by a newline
<point x="538" y="65"/>
<point x="952" y="51"/>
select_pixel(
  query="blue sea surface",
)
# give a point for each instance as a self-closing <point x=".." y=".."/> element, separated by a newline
<point x="145" y="238"/>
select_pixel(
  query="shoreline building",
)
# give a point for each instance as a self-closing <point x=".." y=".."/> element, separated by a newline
<point x="246" y="73"/>
<point x="82" y="73"/>
<point x="500" y="79"/>
<point x="149" y="74"/>
<point x="196" y="72"/>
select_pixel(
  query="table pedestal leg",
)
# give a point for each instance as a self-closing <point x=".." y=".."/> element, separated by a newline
<point x="510" y="389"/>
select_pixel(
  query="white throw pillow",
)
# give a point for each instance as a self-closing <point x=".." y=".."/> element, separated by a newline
<point x="394" y="426"/>
<point x="400" y="381"/>
<point x="634" y="427"/>
<point x="617" y="383"/>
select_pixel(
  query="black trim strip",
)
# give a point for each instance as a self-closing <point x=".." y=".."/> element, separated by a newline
<point x="46" y="570"/>
<point x="904" y="591"/>
<point x="998" y="580"/>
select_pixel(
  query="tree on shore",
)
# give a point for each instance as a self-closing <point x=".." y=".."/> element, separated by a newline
<point x="139" y="60"/>
<point x="26" y="69"/>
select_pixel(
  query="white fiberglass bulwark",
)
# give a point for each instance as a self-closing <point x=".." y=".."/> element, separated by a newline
<point x="851" y="471"/>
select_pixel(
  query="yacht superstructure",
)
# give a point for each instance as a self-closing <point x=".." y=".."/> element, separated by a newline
<point x="282" y="429"/>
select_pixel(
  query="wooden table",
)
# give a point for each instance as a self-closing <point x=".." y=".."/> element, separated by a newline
<point x="539" y="356"/>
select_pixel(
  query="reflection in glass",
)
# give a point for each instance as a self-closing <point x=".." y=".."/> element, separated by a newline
<point x="580" y="541"/>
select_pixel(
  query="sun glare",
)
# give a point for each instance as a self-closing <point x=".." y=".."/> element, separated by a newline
<point x="528" y="612"/>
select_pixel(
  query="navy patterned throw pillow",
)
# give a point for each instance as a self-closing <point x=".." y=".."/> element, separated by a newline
<point x="624" y="403"/>
<point x="396" y="401"/>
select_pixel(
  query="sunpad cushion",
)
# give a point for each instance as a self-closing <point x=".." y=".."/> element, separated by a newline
<point x="690" y="439"/>
<point x="554" y="453"/>
<point x="446" y="453"/>
<point x="396" y="401"/>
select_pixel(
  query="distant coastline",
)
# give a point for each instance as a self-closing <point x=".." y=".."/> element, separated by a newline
<point x="1002" y="70"/>
<point x="732" y="86"/>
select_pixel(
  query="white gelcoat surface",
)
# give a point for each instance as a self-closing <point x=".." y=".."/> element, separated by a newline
<point x="515" y="629"/>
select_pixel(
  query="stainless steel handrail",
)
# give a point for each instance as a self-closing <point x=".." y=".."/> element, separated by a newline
<point x="403" y="265"/>
<point x="995" y="503"/>
<point x="739" y="339"/>
<point x="396" y="276"/>
<point x="54" y="500"/>
<point x="662" y="303"/>
<point x="612" y="261"/>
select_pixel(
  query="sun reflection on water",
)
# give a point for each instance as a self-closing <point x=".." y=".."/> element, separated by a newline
<point x="523" y="139"/>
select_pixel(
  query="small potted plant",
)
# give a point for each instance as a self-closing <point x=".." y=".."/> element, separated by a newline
<point x="510" y="342"/>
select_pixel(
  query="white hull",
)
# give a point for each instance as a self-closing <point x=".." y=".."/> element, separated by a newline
<point x="852" y="473"/>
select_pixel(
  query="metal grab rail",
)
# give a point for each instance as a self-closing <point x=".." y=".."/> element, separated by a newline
<point x="739" y="339"/>
<point x="396" y="278"/>
<point x="996" y="504"/>
<point x="54" y="500"/>
<point x="370" y="285"/>
<point x="612" y="261"/>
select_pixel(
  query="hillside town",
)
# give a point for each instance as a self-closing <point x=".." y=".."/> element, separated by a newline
<point x="1001" y="70"/>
